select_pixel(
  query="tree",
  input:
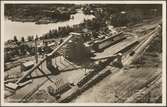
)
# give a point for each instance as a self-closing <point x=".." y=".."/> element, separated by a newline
<point x="76" y="51"/>
<point x="22" y="39"/>
<point x="23" y="49"/>
<point x="15" y="39"/>
<point x="36" y="37"/>
<point x="30" y="38"/>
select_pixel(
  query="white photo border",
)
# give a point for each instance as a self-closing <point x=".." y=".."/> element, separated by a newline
<point x="88" y="104"/>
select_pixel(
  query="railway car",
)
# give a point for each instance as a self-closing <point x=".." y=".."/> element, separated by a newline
<point x="56" y="92"/>
<point x="86" y="78"/>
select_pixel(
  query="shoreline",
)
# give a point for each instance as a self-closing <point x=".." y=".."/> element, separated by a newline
<point x="40" y="21"/>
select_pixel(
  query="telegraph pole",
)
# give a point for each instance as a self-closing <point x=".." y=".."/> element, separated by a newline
<point x="36" y="50"/>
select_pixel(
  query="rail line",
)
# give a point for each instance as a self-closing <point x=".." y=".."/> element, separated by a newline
<point x="105" y="69"/>
<point x="108" y="69"/>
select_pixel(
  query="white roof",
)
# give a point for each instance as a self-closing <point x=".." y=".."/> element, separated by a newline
<point x="29" y="63"/>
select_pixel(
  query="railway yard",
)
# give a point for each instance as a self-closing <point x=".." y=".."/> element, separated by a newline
<point x="126" y="67"/>
<point x="103" y="53"/>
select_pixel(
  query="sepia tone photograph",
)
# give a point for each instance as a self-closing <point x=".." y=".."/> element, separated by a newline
<point x="73" y="52"/>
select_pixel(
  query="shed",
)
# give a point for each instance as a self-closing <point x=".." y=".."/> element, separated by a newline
<point x="27" y="65"/>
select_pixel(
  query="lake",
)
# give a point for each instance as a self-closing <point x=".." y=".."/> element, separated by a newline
<point x="25" y="29"/>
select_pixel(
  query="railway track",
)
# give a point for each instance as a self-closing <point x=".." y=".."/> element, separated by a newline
<point x="27" y="97"/>
<point x="145" y="90"/>
<point x="108" y="69"/>
<point x="102" y="73"/>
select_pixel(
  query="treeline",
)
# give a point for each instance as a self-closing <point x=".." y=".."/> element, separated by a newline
<point x="23" y="40"/>
<point x="127" y="18"/>
<point x="93" y="26"/>
<point x="123" y="14"/>
<point x="115" y="8"/>
<point x="58" y="33"/>
<point x="15" y="48"/>
<point x="18" y="50"/>
<point x="36" y="12"/>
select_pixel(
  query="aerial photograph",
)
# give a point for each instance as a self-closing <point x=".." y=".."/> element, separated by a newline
<point x="82" y="53"/>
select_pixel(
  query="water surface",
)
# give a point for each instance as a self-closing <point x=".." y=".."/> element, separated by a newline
<point x="25" y="29"/>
